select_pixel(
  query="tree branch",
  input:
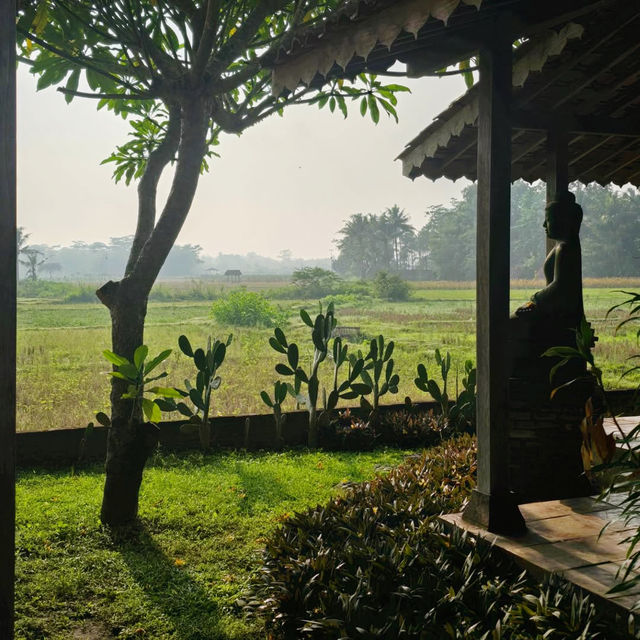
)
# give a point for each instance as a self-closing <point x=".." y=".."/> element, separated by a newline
<point x="109" y="96"/>
<point x="80" y="61"/>
<point x="191" y="151"/>
<point x="206" y="40"/>
<point x="239" y="41"/>
<point x="148" y="185"/>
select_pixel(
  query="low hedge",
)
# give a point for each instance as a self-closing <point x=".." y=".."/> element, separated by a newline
<point x="376" y="563"/>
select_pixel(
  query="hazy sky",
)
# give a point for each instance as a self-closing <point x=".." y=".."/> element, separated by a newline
<point x="288" y="183"/>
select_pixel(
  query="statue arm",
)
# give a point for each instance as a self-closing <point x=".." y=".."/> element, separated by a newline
<point x="562" y="292"/>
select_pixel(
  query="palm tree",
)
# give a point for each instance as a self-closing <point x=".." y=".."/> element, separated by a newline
<point x="34" y="259"/>
<point x="357" y="243"/>
<point x="398" y="228"/>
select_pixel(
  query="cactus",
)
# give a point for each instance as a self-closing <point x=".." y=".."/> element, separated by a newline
<point x="463" y="410"/>
<point x="207" y="380"/>
<point x="321" y="330"/>
<point x="373" y="370"/>
<point x="279" y="395"/>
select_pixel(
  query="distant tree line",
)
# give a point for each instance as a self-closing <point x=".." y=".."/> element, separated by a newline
<point x="83" y="260"/>
<point x="95" y="260"/>
<point x="444" y="248"/>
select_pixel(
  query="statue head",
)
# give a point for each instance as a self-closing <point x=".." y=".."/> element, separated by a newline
<point x="563" y="217"/>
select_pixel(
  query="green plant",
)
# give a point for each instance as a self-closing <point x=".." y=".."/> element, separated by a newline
<point x="390" y="287"/>
<point x="623" y="470"/>
<point x="378" y="362"/>
<point x="244" y="308"/>
<point x="275" y="403"/>
<point x="462" y="411"/>
<point x="136" y="375"/>
<point x="207" y="380"/>
<point x="315" y="282"/>
<point x="374" y="562"/>
<point x="321" y="330"/>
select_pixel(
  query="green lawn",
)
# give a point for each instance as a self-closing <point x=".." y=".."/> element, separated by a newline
<point x="178" y="575"/>
<point x="62" y="378"/>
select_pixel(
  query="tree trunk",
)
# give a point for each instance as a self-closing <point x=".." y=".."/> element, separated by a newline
<point x="130" y="441"/>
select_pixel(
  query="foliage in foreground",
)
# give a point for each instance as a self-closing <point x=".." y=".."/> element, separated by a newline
<point x="375" y="563"/>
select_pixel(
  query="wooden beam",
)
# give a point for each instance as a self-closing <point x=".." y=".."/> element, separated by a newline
<point x="7" y="313"/>
<point x="576" y="124"/>
<point x="557" y="168"/>
<point x="491" y="504"/>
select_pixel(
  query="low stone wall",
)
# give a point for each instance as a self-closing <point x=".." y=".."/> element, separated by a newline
<point x="65" y="447"/>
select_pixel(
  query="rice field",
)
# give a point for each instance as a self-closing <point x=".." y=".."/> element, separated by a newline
<point x="62" y="376"/>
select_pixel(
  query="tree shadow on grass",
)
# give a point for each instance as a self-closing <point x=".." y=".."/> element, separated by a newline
<point x="170" y="587"/>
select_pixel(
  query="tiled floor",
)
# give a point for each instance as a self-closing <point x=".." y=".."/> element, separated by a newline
<point x="565" y="537"/>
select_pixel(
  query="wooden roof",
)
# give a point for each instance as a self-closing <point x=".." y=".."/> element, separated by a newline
<point x="426" y="35"/>
<point x="591" y="90"/>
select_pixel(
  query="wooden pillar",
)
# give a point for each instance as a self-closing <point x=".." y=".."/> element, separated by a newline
<point x="491" y="505"/>
<point x="7" y="312"/>
<point x="557" y="167"/>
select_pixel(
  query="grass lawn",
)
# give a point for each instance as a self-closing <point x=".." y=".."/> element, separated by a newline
<point x="178" y="575"/>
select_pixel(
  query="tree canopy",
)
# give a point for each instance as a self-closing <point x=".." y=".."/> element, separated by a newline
<point x="444" y="248"/>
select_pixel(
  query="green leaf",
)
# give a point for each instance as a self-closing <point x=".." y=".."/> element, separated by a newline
<point x="128" y="370"/>
<point x="140" y="355"/>
<point x="196" y="398"/>
<point x="306" y="318"/>
<point x="185" y="346"/>
<point x="280" y="337"/>
<point x="373" y="109"/>
<point x="266" y="399"/>
<point x="293" y="356"/>
<point x="276" y="345"/>
<point x="361" y="389"/>
<point x="154" y="362"/>
<point x="283" y="370"/>
<point x="114" y="359"/>
<point x="363" y="106"/>
<point x="72" y="84"/>
<point x="332" y="400"/>
<point x="200" y="359"/>
<point x="151" y="410"/>
<point x="166" y="392"/>
<point x="103" y="419"/>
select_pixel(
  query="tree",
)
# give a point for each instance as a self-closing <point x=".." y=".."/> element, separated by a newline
<point x="51" y="268"/>
<point x="396" y="223"/>
<point x="185" y="71"/>
<point x="33" y="260"/>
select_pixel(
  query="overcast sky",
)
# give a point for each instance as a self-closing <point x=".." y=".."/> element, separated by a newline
<point x="288" y="183"/>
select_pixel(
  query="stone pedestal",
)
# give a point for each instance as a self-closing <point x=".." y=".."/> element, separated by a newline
<point x="544" y="437"/>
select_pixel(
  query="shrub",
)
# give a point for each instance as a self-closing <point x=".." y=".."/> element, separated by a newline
<point x="246" y="309"/>
<point x="390" y="287"/>
<point x="375" y="563"/>
<point x="82" y="293"/>
<point x="314" y="282"/>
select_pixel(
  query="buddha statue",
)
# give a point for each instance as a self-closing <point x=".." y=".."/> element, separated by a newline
<point x="553" y="313"/>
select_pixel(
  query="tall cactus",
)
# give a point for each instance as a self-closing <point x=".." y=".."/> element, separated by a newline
<point x="207" y="380"/>
<point x="378" y="371"/>
<point x="275" y="404"/>
<point x="321" y="331"/>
